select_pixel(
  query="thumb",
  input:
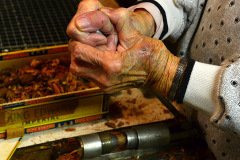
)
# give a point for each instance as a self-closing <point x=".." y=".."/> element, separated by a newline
<point x="127" y="33"/>
<point x="121" y="19"/>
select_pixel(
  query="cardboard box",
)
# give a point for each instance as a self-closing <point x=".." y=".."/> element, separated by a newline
<point x="51" y="111"/>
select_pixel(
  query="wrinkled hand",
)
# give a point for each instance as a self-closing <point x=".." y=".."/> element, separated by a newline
<point x="137" y="61"/>
<point x="110" y="70"/>
<point x="142" y="65"/>
<point x="87" y="21"/>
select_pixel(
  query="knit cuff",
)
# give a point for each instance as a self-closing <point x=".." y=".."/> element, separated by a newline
<point x="201" y="91"/>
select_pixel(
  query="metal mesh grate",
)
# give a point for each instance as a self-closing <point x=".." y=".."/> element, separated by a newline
<point x="28" y="24"/>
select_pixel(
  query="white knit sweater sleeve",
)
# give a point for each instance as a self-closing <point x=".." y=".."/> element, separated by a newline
<point x="201" y="92"/>
<point x="215" y="91"/>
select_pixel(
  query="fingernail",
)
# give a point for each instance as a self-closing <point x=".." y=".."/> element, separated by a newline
<point x="83" y="22"/>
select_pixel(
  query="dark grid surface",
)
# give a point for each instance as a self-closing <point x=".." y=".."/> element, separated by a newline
<point x="26" y="24"/>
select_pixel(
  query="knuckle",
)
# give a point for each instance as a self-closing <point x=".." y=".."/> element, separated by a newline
<point x="70" y="30"/>
<point x="81" y="4"/>
<point x="74" y="70"/>
<point x="115" y="67"/>
<point x="87" y="39"/>
<point x="103" y="81"/>
<point x="69" y="46"/>
<point x="83" y="38"/>
<point x="122" y="12"/>
<point x="76" y="50"/>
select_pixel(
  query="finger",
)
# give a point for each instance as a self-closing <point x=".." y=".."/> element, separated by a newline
<point x="84" y="37"/>
<point x="112" y="41"/>
<point x="88" y="73"/>
<point x="102" y="48"/>
<point x="92" y="39"/>
<point x="93" y="21"/>
<point x="124" y="27"/>
<point x="84" y="7"/>
<point x="80" y="69"/>
<point x="85" y="52"/>
<point x="121" y="18"/>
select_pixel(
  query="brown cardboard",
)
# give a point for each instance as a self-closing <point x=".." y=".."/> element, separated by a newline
<point x="10" y="117"/>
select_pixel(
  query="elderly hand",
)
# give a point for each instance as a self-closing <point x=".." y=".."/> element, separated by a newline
<point x="87" y="21"/>
<point x="138" y="61"/>
<point x="147" y="63"/>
